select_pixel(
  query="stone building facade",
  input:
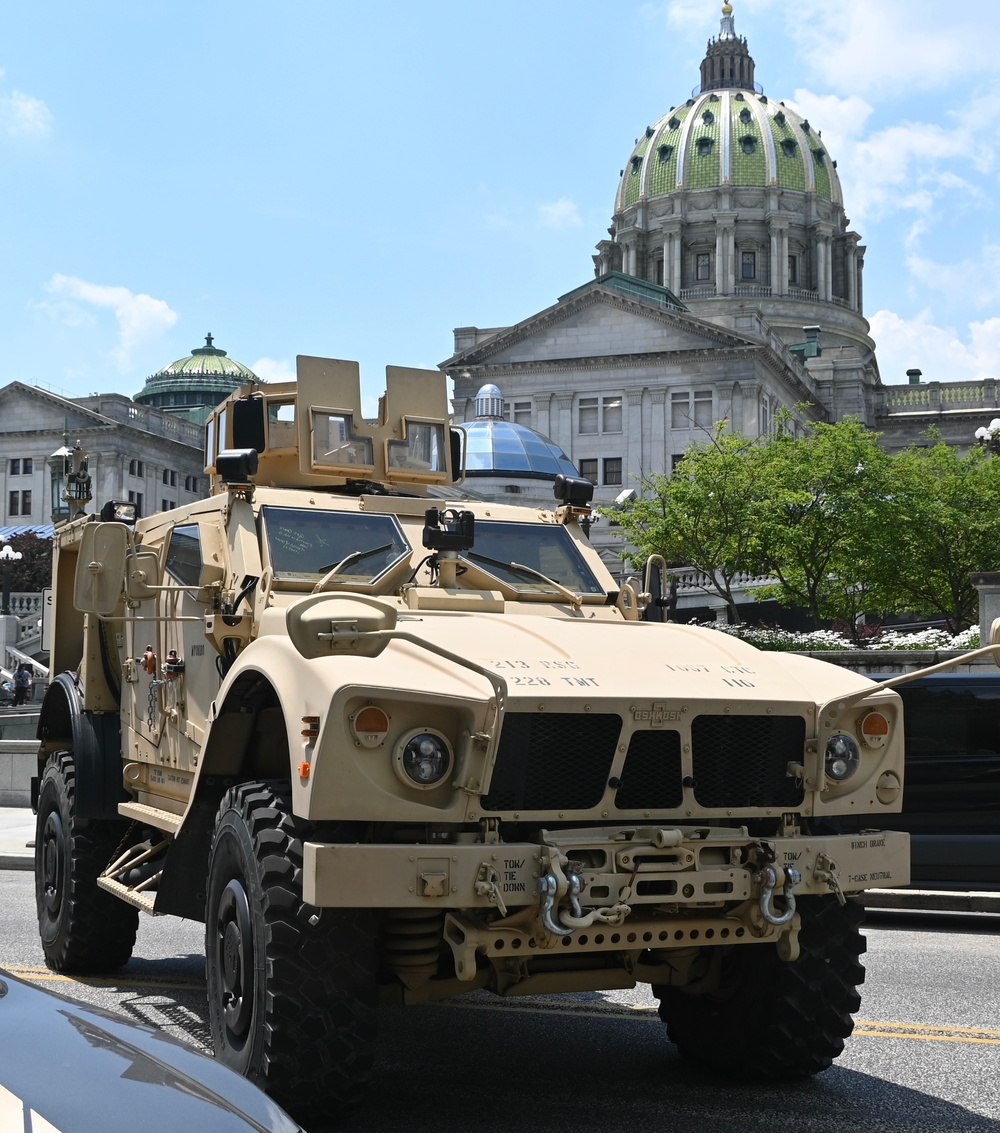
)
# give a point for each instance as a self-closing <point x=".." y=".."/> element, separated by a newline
<point x="148" y="451"/>
<point x="730" y="287"/>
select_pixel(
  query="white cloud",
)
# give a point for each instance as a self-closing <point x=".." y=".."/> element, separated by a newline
<point x="863" y="46"/>
<point x="908" y="166"/>
<point x="274" y="370"/>
<point x="978" y="282"/>
<point x="942" y="353"/>
<point x="21" y="115"/>
<point x="560" y="214"/>
<point x="141" y="318"/>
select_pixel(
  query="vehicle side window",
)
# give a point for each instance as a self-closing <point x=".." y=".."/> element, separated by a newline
<point x="184" y="555"/>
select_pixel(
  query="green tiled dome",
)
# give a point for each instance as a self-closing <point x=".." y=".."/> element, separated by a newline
<point x="191" y="387"/>
<point x="735" y="138"/>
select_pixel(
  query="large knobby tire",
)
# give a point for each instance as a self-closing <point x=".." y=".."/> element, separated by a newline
<point x="82" y="928"/>
<point x="291" y="988"/>
<point x="771" y="1018"/>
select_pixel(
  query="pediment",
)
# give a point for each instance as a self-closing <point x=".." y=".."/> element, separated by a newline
<point x="27" y="408"/>
<point x="598" y="322"/>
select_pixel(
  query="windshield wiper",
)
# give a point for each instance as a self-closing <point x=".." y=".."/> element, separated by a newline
<point x="353" y="557"/>
<point x="576" y="599"/>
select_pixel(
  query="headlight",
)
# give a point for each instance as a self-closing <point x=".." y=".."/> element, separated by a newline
<point x="843" y="757"/>
<point x="423" y="758"/>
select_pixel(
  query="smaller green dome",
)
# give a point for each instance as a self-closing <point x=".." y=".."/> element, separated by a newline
<point x="205" y="361"/>
<point x="191" y="387"/>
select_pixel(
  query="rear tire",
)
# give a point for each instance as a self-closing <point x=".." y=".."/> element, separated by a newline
<point x="292" y="1004"/>
<point x="82" y="928"/>
<point x="771" y="1018"/>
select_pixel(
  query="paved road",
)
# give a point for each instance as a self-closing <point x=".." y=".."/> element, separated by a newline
<point x="924" y="1056"/>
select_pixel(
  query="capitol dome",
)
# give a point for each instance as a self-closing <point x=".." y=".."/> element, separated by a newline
<point x="193" y="386"/>
<point x="732" y="194"/>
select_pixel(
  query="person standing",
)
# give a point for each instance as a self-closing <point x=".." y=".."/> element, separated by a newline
<point x="23" y="681"/>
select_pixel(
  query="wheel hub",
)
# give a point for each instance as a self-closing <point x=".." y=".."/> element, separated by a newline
<point x="53" y="858"/>
<point x="234" y="939"/>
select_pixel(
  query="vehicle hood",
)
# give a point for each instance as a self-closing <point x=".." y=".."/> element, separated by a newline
<point x="80" y="1068"/>
<point x="570" y="657"/>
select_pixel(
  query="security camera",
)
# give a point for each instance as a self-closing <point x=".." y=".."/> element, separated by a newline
<point x="626" y="497"/>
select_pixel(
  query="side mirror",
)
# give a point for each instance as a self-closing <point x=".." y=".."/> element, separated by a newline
<point x="328" y="625"/>
<point x="100" y="567"/>
<point x="142" y="576"/>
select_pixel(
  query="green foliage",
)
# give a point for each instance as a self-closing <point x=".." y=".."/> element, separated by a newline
<point x="843" y="528"/>
<point x="705" y="515"/>
<point x="33" y="571"/>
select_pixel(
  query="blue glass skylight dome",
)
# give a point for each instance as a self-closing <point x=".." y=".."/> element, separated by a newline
<point x="496" y="447"/>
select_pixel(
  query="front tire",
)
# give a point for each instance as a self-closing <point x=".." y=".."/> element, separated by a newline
<point x="774" y="1018"/>
<point x="82" y="928"/>
<point x="292" y="1003"/>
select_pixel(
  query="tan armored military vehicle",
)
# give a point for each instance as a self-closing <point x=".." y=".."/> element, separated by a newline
<point x="390" y="743"/>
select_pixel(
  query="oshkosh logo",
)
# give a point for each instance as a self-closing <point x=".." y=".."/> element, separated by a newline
<point x="656" y="716"/>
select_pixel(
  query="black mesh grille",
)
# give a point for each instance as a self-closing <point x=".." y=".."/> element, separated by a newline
<point x="742" y="761"/>
<point x="558" y="761"/>
<point x="651" y="777"/>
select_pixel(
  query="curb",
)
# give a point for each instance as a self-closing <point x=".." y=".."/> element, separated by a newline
<point x="17" y="861"/>
<point x="930" y="901"/>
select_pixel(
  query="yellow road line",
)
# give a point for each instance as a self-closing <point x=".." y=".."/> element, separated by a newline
<point x="43" y="975"/>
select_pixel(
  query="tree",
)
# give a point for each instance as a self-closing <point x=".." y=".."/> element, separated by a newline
<point x="819" y="531"/>
<point x="943" y="529"/>
<point x="704" y="516"/>
<point x="33" y="571"/>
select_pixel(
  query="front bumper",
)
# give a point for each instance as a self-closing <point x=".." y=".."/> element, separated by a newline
<point x="676" y="867"/>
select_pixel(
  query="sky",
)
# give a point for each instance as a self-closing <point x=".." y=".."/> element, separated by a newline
<point x="355" y="180"/>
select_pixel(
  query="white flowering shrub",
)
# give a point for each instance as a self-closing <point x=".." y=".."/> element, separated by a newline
<point x="826" y="640"/>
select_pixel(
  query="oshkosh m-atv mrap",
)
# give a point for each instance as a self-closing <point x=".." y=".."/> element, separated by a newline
<point x="392" y="745"/>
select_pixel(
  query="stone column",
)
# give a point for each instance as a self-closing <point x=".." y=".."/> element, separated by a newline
<point x="988" y="586"/>
<point x="659" y="458"/>
<point x="635" y="451"/>
<point x="564" y="422"/>
<point x="851" y="269"/>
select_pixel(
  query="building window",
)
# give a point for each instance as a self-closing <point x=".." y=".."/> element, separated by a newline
<point x="788" y="147"/>
<point x="705" y="146"/>
<point x="165" y="505"/>
<point x="703" y="265"/>
<point x="15" y="467"/>
<point x="191" y="483"/>
<point x="703" y="408"/>
<point x="793" y="269"/>
<point x="680" y="416"/>
<point x="665" y="152"/>
<point x="748" y="143"/>
<point x="136" y="498"/>
<point x="675" y="459"/>
<point x="19" y="503"/>
<point x="588" y="415"/>
<point x="611" y="414"/>
<point x="170" y="478"/>
<point x="19" y="467"/>
<point x="748" y="269"/>
<point x="613" y="470"/>
<point x="136" y="468"/>
<point x="745" y="115"/>
<point x="588" y="470"/>
<point x="522" y="413"/>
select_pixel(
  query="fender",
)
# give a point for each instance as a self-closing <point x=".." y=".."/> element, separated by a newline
<point x="95" y="740"/>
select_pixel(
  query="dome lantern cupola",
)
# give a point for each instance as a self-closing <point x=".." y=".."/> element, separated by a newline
<point x="728" y="64"/>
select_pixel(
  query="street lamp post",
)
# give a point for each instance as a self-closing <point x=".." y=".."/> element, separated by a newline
<point x="7" y="556"/>
<point x="989" y="436"/>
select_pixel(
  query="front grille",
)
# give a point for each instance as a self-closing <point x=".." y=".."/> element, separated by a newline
<point x="553" y="761"/>
<point x="742" y="761"/>
<point x="651" y="777"/>
<point x="563" y="761"/>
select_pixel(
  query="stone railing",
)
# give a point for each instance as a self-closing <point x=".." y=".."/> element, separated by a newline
<point x="695" y="587"/>
<point x="935" y="395"/>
